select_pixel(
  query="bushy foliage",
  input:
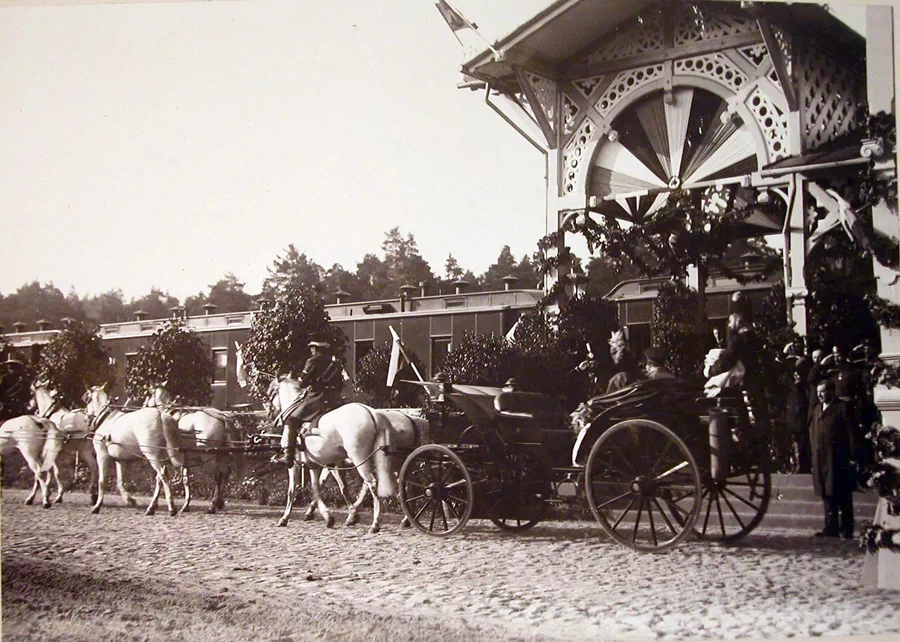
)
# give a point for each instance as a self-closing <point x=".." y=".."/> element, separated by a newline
<point x="176" y="357"/>
<point x="485" y="360"/>
<point x="279" y="335"/>
<point x="677" y="326"/>
<point x="371" y="377"/>
<point x="15" y="389"/>
<point x="74" y="360"/>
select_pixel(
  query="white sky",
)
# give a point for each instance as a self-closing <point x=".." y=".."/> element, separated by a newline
<point x="167" y="143"/>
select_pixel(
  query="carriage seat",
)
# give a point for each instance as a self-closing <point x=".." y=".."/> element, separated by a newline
<point x="543" y="409"/>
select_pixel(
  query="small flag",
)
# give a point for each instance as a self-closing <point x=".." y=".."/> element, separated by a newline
<point x="454" y="18"/>
<point x="850" y="222"/>
<point x="399" y="359"/>
<point x="240" y="371"/>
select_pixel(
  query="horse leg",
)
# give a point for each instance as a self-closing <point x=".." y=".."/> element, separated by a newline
<point x="369" y="480"/>
<point x="34" y="489"/>
<point x="102" y="458"/>
<point x="154" y="501"/>
<point x="59" y="484"/>
<point x="292" y="487"/>
<point x="39" y="480"/>
<point x="352" y="516"/>
<point x="217" y="490"/>
<point x="120" y="484"/>
<point x="186" y="482"/>
<point x="161" y="471"/>
<point x="90" y="458"/>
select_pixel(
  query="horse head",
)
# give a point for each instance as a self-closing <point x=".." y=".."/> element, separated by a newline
<point x="96" y="399"/>
<point x="160" y="397"/>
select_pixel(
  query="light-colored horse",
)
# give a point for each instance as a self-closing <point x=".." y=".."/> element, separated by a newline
<point x="39" y="441"/>
<point x="76" y="434"/>
<point x="209" y="441"/>
<point x="357" y="433"/>
<point x="147" y="433"/>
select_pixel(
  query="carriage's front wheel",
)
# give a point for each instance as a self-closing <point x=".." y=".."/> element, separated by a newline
<point x="436" y="491"/>
<point x="643" y="485"/>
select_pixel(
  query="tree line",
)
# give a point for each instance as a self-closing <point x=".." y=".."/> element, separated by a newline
<point x="375" y="277"/>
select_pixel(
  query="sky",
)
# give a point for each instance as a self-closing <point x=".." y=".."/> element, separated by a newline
<point x="165" y="144"/>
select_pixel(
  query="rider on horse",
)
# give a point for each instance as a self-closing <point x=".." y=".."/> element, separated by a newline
<point x="322" y="380"/>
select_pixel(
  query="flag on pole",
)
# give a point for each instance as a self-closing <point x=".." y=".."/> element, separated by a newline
<point x="240" y="371"/>
<point x="399" y="359"/>
<point x="457" y="22"/>
<point x="849" y="221"/>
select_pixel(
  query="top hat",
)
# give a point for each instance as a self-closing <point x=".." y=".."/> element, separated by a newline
<point x="318" y="340"/>
<point x="655" y="355"/>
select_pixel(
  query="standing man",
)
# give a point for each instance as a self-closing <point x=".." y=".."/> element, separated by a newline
<point x="831" y="439"/>
<point x="745" y="346"/>
<point x="322" y="381"/>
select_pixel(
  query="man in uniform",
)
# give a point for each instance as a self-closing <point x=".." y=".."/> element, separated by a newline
<point x="322" y="380"/>
<point x="656" y="363"/>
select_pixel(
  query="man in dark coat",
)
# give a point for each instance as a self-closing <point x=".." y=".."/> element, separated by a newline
<point x="744" y="346"/>
<point x="322" y="379"/>
<point x="831" y="430"/>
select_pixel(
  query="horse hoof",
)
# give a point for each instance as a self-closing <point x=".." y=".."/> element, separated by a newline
<point x="211" y="510"/>
<point x="282" y="522"/>
<point x="58" y="500"/>
<point x="405" y="523"/>
<point x="149" y="512"/>
<point x="173" y="513"/>
<point x="220" y="504"/>
<point x="93" y="499"/>
<point x="308" y="517"/>
<point x="95" y="510"/>
<point x="185" y="509"/>
<point x="352" y="520"/>
<point x="131" y="501"/>
<point x="374" y="528"/>
<point x="329" y="522"/>
<point x="29" y="501"/>
<point x="46" y="504"/>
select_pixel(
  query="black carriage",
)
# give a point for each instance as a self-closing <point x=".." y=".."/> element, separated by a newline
<point x="655" y="463"/>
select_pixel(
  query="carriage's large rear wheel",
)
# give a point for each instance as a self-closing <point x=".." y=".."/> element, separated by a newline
<point x="643" y="485"/>
<point x="436" y="491"/>
<point x="732" y="509"/>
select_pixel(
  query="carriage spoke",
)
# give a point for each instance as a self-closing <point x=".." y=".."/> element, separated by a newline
<point x="660" y="458"/>
<point x="746" y="501"/>
<point x="721" y="517"/>
<point x="412" y="499"/>
<point x="614" y="499"/>
<point x="666" y="519"/>
<point x="422" y="510"/>
<point x="733" y="511"/>
<point x="708" y="508"/>
<point x="652" y="525"/>
<point x="673" y="470"/>
<point x="637" y="521"/>
<point x="624" y="513"/>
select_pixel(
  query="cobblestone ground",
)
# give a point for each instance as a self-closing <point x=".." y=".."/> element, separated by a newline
<point x="559" y="581"/>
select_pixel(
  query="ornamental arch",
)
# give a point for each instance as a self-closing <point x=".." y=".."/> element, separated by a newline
<point x="629" y="101"/>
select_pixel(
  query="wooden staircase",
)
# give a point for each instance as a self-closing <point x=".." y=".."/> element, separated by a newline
<point x="795" y="507"/>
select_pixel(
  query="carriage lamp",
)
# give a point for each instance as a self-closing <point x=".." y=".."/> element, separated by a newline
<point x="445" y="387"/>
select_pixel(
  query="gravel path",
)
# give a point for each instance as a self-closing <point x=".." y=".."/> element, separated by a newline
<point x="559" y="581"/>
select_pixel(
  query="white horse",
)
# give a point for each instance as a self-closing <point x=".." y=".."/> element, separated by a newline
<point x="146" y="433"/>
<point x="76" y="436"/>
<point x="357" y="433"/>
<point x="209" y="440"/>
<point x="39" y="441"/>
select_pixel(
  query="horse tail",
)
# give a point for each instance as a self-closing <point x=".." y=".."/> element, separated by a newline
<point x="170" y="433"/>
<point x="234" y="437"/>
<point x="52" y="444"/>
<point x="384" y="473"/>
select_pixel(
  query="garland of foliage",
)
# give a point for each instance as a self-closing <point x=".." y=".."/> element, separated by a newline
<point x="677" y="326"/>
<point x="885" y="312"/>
<point x="873" y="537"/>
<point x="678" y="235"/>
<point x="884" y="477"/>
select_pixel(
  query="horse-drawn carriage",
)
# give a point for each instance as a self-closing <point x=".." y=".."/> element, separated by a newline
<point x="655" y="462"/>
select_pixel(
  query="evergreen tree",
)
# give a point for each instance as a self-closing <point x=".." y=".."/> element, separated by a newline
<point x="74" y="360"/>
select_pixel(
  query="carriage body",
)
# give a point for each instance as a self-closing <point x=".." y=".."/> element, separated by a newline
<point x="653" y="463"/>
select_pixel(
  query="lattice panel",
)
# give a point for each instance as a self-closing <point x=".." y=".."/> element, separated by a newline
<point x="646" y="35"/>
<point x="756" y="55"/>
<point x="575" y="152"/>
<point x="545" y="90"/>
<point x="570" y="114"/>
<point x="772" y="121"/>
<point x="625" y="83"/>
<point x="713" y="66"/>
<point x="699" y="22"/>
<point x="829" y="93"/>
<point x="587" y="85"/>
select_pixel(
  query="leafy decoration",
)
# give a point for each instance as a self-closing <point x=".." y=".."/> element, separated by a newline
<point x="74" y="360"/>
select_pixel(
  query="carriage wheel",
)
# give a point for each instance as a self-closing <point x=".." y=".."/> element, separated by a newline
<point x="436" y="491"/>
<point x="521" y="501"/>
<point x="733" y="508"/>
<point x="642" y="485"/>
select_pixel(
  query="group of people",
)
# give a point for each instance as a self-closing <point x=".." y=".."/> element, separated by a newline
<point x="828" y="408"/>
